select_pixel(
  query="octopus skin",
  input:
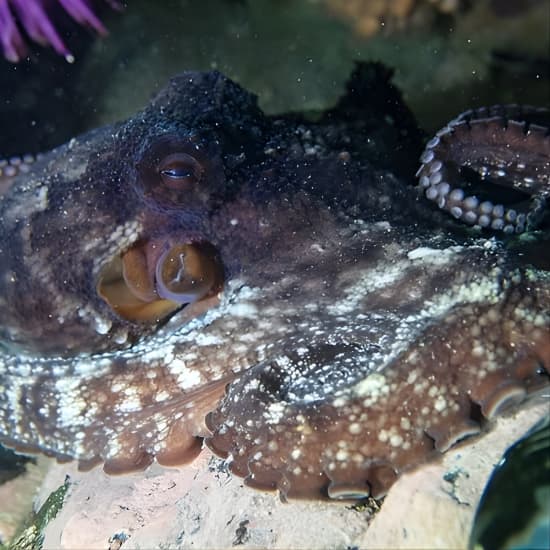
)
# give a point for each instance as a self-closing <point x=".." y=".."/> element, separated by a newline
<point x="273" y="286"/>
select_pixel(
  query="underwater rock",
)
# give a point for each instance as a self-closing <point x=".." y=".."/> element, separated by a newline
<point x="202" y="506"/>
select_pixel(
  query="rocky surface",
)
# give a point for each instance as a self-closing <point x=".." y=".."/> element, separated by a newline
<point x="201" y="506"/>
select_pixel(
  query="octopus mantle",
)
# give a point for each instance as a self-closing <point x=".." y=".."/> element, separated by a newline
<point x="276" y="286"/>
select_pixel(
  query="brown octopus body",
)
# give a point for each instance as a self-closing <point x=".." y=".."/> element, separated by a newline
<point x="274" y="285"/>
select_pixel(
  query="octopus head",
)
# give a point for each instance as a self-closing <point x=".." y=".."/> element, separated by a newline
<point x="119" y="228"/>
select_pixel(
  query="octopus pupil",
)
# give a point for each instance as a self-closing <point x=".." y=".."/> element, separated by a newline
<point x="178" y="173"/>
<point x="179" y="169"/>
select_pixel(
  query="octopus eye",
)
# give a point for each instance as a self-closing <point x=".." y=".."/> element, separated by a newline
<point x="185" y="273"/>
<point x="180" y="169"/>
<point x="175" y="171"/>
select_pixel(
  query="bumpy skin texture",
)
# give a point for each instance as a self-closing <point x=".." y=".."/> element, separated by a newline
<point x="354" y="331"/>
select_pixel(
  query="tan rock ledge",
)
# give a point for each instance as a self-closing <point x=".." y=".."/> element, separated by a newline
<point x="198" y="507"/>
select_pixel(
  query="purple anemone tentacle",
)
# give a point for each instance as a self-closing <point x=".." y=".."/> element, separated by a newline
<point x="80" y="11"/>
<point x="35" y="19"/>
<point x="10" y="37"/>
<point x="38" y="26"/>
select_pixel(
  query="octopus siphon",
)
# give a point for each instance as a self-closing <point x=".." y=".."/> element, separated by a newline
<point x="275" y="287"/>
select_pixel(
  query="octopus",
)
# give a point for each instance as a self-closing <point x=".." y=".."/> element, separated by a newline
<point x="276" y="288"/>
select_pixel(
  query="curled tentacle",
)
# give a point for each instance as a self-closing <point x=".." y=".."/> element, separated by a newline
<point x="490" y="167"/>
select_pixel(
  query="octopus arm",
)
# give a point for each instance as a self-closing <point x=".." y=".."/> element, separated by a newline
<point x="123" y="415"/>
<point x="451" y="378"/>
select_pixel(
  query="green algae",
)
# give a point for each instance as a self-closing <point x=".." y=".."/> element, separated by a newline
<point x="31" y="536"/>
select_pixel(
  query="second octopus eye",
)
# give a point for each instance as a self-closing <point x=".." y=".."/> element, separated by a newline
<point x="180" y="169"/>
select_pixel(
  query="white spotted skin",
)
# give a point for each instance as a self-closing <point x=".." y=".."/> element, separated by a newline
<point x="384" y="390"/>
